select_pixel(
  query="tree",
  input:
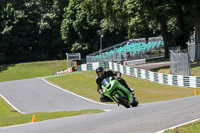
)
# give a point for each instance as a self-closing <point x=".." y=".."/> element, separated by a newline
<point x="196" y="5"/>
<point x="46" y="29"/>
<point x="30" y="30"/>
<point x="74" y="27"/>
<point x="81" y="29"/>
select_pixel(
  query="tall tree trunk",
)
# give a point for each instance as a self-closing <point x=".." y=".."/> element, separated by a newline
<point x="181" y="38"/>
<point x="164" y="35"/>
<point x="197" y="31"/>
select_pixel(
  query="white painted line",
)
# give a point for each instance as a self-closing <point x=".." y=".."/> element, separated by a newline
<point x="58" y="75"/>
<point x="178" y="125"/>
<point x="107" y="110"/>
<point x="75" y="94"/>
<point x="12" y="105"/>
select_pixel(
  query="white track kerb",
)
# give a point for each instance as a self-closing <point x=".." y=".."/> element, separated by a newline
<point x="178" y="125"/>
<point x="12" y="105"/>
<point x="74" y="93"/>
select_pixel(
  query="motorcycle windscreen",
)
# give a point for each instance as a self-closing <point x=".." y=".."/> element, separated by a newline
<point x="105" y="82"/>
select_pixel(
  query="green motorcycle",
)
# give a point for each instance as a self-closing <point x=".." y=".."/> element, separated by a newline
<point x="113" y="89"/>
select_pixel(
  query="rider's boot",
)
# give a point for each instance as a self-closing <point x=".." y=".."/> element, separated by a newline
<point x="132" y="91"/>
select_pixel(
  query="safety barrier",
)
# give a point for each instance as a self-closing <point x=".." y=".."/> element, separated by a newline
<point x="92" y="66"/>
<point x="169" y="79"/>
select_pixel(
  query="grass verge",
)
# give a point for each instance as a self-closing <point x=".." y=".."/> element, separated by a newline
<point x="190" y="128"/>
<point x="31" y="69"/>
<point x="84" y="84"/>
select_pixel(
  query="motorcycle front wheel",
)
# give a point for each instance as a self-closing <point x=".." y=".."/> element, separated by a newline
<point x="122" y="101"/>
<point x="135" y="102"/>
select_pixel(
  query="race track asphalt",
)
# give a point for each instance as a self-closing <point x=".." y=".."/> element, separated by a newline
<point x="35" y="95"/>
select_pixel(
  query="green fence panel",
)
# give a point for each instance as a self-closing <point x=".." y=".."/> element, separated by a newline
<point x="124" y="69"/>
<point x="78" y="68"/>
<point x="186" y="81"/>
<point x="147" y="74"/>
<point x="198" y="82"/>
<point x="139" y="73"/>
<point x="165" y="79"/>
<point x="155" y="77"/>
<point x="89" y="66"/>
<point x="132" y="72"/>
<point x="175" y="80"/>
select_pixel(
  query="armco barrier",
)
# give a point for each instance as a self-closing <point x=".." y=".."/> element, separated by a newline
<point x="169" y="79"/>
<point x="92" y="66"/>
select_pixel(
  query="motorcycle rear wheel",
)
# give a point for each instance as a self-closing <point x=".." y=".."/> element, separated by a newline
<point x="122" y="101"/>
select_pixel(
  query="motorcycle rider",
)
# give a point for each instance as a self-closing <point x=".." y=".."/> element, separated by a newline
<point x="102" y="74"/>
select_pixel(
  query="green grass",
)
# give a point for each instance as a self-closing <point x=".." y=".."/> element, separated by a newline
<point x="8" y="116"/>
<point x="81" y="83"/>
<point x="31" y="69"/>
<point x="84" y="84"/>
<point x="195" y="69"/>
<point x="190" y="128"/>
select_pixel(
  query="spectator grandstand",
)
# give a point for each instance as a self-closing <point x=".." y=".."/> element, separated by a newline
<point x="130" y="50"/>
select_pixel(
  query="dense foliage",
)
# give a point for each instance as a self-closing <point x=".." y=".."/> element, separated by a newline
<point x="32" y="30"/>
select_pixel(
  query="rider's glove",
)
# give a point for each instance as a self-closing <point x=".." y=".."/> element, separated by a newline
<point x="100" y="91"/>
<point x="118" y="78"/>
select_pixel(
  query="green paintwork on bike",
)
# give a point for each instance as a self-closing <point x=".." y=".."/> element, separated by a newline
<point x="113" y="87"/>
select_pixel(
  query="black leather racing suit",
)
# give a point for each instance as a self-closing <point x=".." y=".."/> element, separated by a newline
<point x="106" y="74"/>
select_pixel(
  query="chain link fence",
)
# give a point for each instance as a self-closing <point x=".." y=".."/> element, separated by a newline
<point x="179" y="63"/>
<point x="192" y="47"/>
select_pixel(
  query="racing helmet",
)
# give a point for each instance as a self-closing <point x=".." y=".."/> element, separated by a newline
<point x="99" y="70"/>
